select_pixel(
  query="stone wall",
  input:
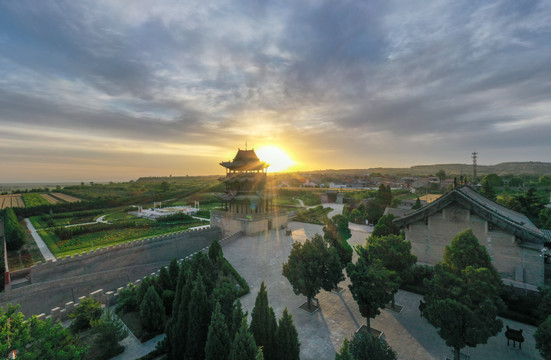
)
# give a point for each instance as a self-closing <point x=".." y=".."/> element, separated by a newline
<point x="515" y="261"/>
<point x="113" y="264"/>
<point x="109" y="298"/>
<point x="230" y="224"/>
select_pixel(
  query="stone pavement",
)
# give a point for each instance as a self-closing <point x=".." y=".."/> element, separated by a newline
<point x="41" y="245"/>
<point x="134" y="349"/>
<point x="259" y="258"/>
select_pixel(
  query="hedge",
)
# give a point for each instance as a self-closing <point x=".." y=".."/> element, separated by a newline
<point x="14" y="233"/>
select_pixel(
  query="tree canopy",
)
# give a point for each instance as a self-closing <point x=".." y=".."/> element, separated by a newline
<point x="36" y="339"/>
<point x="371" y="284"/>
<point x="311" y="266"/>
<point x="463" y="300"/>
<point x="543" y="338"/>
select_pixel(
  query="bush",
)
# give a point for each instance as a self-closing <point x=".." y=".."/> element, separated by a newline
<point x="84" y="314"/>
<point x="127" y="300"/>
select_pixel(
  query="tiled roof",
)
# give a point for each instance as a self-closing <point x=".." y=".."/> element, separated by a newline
<point x="512" y="221"/>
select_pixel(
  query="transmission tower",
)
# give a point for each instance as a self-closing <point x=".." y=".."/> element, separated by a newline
<point x="474" y="166"/>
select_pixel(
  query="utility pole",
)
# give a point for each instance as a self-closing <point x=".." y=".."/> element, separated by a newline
<point x="474" y="167"/>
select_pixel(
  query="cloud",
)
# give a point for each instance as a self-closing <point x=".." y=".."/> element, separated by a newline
<point x="408" y="82"/>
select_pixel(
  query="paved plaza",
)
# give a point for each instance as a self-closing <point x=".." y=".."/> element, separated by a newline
<point x="259" y="258"/>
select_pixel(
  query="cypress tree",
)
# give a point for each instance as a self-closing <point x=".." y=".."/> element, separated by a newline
<point x="224" y="294"/>
<point x="218" y="338"/>
<point x="177" y="331"/>
<point x="263" y="324"/>
<point x="215" y="252"/>
<point x="288" y="346"/>
<point x="237" y="317"/>
<point x="173" y="271"/>
<point x="165" y="283"/>
<point x="243" y="347"/>
<point x="152" y="311"/>
<point x="198" y="321"/>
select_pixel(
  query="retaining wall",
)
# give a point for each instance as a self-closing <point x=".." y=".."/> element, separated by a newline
<point x="119" y="263"/>
<point x="109" y="298"/>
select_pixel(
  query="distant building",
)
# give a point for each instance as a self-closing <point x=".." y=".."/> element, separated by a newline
<point x="247" y="205"/>
<point x="513" y="241"/>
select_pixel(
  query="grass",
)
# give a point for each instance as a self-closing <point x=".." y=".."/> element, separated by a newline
<point x="317" y="215"/>
<point x="34" y="199"/>
<point x="118" y="216"/>
<point x="90" y="241"/>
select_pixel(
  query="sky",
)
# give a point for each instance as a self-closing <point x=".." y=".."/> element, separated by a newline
<point x="114" y="90"/>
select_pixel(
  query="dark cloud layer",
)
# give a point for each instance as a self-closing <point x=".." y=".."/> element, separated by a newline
<point x="404" y="82"/>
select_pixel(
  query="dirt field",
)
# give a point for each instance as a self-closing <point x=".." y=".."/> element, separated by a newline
<point x="14" y="200"/>
<point x="64" y="197"/>
<point x="50" y="199"/>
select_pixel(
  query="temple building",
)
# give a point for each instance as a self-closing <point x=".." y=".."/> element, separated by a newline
<point x="247" y="205"/>
<point x="514" y="243"/>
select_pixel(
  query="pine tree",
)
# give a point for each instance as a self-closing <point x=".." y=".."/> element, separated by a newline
<point x="152" y="311"/>
<point x="263" y="324"/>
<point x="218" y="338"/>
<point x="199" y="319"/>
<point x="288" y="346"/>
<point x="243" y="347"/>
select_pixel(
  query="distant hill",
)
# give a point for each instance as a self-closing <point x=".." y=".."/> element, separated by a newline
<point x="507" y="168"/>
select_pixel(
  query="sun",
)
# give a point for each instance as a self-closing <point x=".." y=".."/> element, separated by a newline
<point x="276" y="157"/>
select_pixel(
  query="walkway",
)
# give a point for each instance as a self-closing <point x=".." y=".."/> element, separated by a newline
<point x="41" y="245"/>
<point x="134" y="349"/>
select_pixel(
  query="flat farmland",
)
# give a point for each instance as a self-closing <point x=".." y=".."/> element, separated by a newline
<point x="50" y="199"/>
<point x="14" y="200"/>
<point x="65" y="197"/>
<point x="34" y="199"/>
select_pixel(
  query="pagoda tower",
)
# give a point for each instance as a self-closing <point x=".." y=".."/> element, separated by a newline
<point x="246" y="204"/>
<point x="245" y="184"/>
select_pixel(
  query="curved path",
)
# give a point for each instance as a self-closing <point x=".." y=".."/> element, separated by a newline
<point x="41" y="245"/>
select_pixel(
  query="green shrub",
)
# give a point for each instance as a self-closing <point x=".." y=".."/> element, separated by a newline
<point x="84" y="314"/>
<point x="127" y="300"/>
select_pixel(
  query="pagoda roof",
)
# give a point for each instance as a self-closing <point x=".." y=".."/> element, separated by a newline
<point x="507" y="219"/>
<point x="245" y="160"/>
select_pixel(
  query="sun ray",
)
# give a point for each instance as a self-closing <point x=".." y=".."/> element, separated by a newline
<point x="278" y="159"/>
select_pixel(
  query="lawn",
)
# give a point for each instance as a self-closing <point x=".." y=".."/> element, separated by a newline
<point x="94" y="240"/>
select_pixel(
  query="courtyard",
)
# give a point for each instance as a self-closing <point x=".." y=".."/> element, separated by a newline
<point x="259" y="258"/>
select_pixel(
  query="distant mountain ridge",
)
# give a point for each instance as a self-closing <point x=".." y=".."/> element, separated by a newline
<point x="506" y="168"/>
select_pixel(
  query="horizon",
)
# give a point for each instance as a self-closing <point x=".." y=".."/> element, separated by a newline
<point x="107" y="181"/>
<point x="115" y="90"/>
